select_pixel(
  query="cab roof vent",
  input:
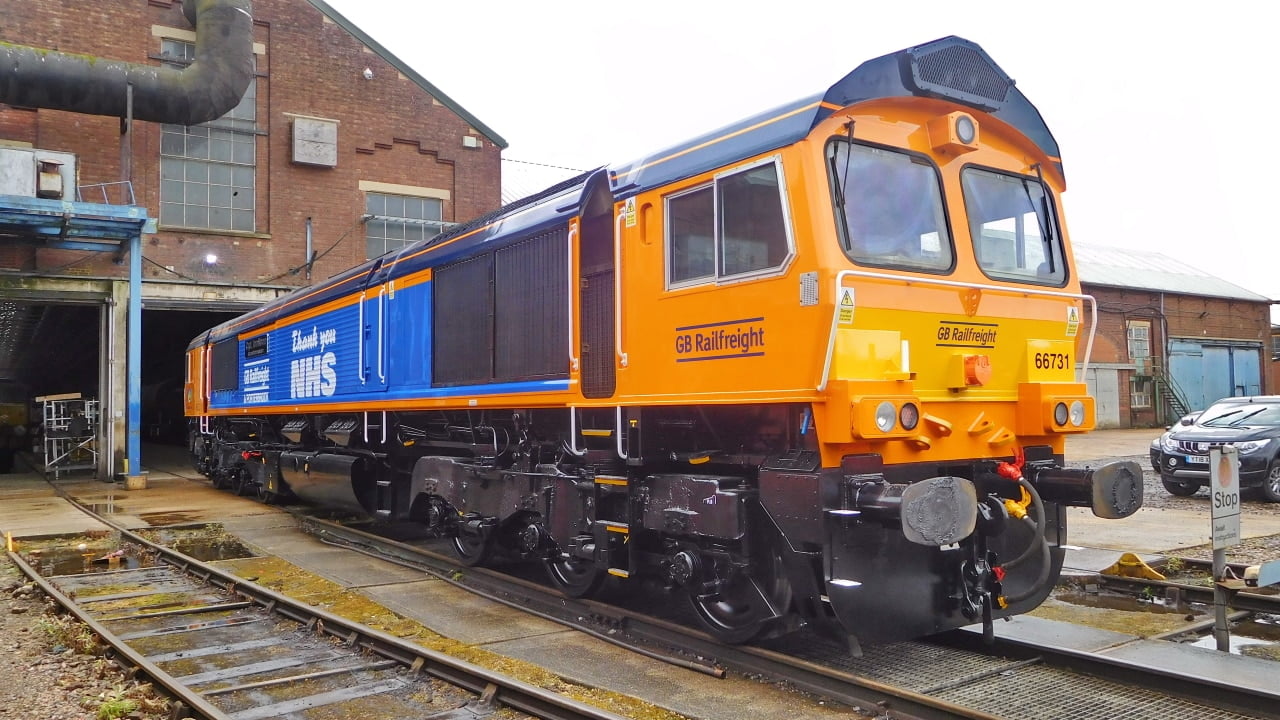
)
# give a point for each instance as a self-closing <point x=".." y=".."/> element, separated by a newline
<point x="959" y="70"/>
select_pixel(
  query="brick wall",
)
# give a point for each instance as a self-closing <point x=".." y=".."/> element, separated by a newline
<point x="390" y="130"/>
<point x="1172" y="316"/>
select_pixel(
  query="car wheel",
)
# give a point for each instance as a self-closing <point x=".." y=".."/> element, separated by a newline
<point x="1271" y="485"/>
<point x="1180" y="487"/>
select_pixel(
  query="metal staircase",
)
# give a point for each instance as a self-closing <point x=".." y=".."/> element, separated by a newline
<point x="1173" y="398"/>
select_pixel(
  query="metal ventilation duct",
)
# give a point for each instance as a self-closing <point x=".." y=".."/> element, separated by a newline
<point x="203" y="91"/>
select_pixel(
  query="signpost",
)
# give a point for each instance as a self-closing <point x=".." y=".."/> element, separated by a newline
<point x="1224" y="486"/>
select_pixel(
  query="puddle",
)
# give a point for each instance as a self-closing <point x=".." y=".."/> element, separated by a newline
<point x="98" y="552"/>
<point x="1126" y="614"/>
<point x="1256" y="637"/>
<point x="205" y="543"/>
<point x="72" y="560"/>
<point x="1125" y="603"/>
<point x="159" y="519"/>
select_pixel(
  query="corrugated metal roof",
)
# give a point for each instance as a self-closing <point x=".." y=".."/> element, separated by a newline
<point x="1124" y="268"/>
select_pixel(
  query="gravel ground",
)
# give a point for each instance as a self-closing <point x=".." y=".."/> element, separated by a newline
<point x="1252" y="551"/>
<point x="48" y="679"/>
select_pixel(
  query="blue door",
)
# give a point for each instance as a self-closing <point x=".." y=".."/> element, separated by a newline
<point x="1217" y="374"/>
<point x="1187" y="370"/>
<point x="1206" y="373"/>
<point x="1245" y="371"/>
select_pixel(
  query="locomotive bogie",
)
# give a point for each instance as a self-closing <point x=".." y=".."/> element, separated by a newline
<point x="815" y="368"/>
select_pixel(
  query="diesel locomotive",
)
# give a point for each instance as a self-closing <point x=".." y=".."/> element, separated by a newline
<point x="814" y="368"/>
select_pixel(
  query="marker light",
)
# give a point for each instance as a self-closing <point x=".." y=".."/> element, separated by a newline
<point x="1060" y="414"/>
<point x="909" y="416"/>
<point x="1077" y="413"/>
<point x="966" y="130"/>
<point x="886" y="416"/>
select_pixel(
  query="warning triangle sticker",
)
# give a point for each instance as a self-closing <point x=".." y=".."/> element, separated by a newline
<point x="846" y="300"/>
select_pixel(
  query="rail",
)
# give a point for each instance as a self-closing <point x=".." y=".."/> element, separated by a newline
<point x="888" y="676"/>
<point x="490" y="686"/>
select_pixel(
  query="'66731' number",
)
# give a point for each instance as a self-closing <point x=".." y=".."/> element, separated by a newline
<point x="1052" y="361"/>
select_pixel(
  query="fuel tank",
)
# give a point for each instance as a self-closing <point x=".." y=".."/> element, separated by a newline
<point x="341" y="482"/>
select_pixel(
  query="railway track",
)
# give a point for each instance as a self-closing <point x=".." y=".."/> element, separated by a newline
<point x="224" y="647"/>
<point x="953" y="676"/>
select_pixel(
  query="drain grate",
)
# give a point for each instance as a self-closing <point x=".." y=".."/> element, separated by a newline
<point x="1035" y="692"/>
<point x="1022" y="689"/>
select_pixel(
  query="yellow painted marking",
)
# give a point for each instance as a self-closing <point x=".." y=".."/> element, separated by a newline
<point x="597" y="433"/>
<point x="610" y="481"/>
<point x="699" y="460"/>
<point x="619" y="573"/>
<point x="618" y="529"/>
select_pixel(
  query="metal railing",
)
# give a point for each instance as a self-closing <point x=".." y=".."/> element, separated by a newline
<point x="110" y="192"/>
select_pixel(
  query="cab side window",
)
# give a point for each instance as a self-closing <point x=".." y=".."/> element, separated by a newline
<point x="734" y="227"/>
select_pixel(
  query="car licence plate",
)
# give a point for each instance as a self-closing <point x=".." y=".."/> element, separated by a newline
<point x="1197" y="459"/>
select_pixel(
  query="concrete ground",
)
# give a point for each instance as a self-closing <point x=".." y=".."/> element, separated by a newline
<point x="1150" y="530"/>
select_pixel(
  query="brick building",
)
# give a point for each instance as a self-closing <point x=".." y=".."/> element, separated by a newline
<point x="1274" y="386"/>
<point x="1171" y="338"/>
<point x="337" y="147"/>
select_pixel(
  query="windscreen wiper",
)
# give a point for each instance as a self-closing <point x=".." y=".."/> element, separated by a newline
<point x="1239" y="420"/>
<point x="1211" y="421"/>
<point x="1042" y="216"/>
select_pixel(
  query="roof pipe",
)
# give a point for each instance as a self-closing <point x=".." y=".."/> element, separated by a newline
<point x="203" y="91"/>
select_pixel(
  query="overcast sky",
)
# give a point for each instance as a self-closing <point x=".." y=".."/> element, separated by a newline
<point x="1164" y="113"/>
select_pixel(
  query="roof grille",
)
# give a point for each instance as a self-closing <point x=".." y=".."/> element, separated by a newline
<point x="961" y="71"/>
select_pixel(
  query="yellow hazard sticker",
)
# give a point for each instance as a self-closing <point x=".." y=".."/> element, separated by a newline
<point x="629" y="212"/>
<point x="1073" y="320"/>
<point x="844" y="311"/>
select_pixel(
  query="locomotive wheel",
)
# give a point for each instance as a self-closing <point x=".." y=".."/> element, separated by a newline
<point x="472" y="548"/>
<point x="242" y="483"/>
<point x="575" y="577"/>
<point x="737" y="613"/>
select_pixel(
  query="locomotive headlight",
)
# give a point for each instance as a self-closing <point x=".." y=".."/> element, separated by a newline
<point x="953" y="133"/>
<point x="886" y="416"/>
<point x="1077" y="413"/>
<point x="909" y="416"/>
<point x="1060" y="414"/>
